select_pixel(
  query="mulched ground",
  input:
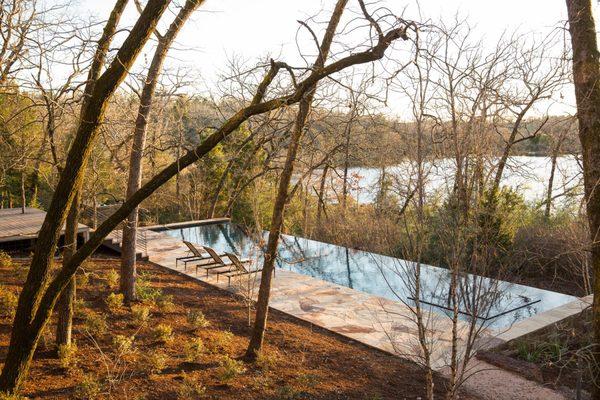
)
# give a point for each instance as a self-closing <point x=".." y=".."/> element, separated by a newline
<point x="300" y="361"/>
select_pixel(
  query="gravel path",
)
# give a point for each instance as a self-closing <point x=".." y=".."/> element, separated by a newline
<point x="497" y="384"/>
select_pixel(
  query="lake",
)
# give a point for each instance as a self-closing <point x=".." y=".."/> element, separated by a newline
<point x="527" y="175"/>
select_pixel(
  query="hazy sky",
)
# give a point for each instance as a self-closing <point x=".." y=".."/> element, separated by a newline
<point x="254" y="28"/>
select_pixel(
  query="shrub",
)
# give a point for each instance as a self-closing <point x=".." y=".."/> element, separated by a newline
<point x="89" y="388"/>
<point x="164" y="302"/>
<point x="194" y="350"/>
<point x="95" y="324"/>
<point x="8" y="303"/>
<point x="5" y="260"/>
<point x="546" y="352"/>
<point x="67" y="355"/>
<point x="190" y="388"/>
<point x="140" y="314"/>
<point x="154" y="362"/>
<point x="112" y="279"/>
<point x="196" y="319"/>
<point x="13" y="396"/>
<point x="266" y="361"/>
<point x="308" y="379"/>
<point x="123" y="345"/>
<point x="221" y="341"/>
<point x="288" y="392"/>
<point x="229" y="369"/>
<point x="162" y="333"/>
<point x="80" y="308"/>
<point x="144" y="290"/>
<point x="114" y="302"/>
<point x="82" y="278"/>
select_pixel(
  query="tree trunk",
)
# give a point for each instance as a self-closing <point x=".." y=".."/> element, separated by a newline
<point x="264" y="292"/>
<point x="554" y="163"/>
<point x="64" y="321"/>
<point x="347" y="133"/>
<point x="23" y="196"/>
<point x="548" y="207"/>
<point x="321" y="195"/>
<point x="586" y="76"/>
<point x="128" y="245"/>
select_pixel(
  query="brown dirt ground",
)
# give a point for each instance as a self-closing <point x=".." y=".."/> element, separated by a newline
<point x="303" y="361"/>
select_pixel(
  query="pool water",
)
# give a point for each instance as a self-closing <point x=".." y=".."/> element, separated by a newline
<point x="497" y="304"/>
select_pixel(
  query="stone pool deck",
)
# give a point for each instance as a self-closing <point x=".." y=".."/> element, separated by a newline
<point x="375" y="321"/>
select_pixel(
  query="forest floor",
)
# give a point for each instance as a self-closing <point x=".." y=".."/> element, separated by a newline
<point x="190" y="344"/>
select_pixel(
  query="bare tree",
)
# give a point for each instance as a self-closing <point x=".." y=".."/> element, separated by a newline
<point x="262" y="306"/>
<point x="128" y="246"/>
<point x="305" y="104"/>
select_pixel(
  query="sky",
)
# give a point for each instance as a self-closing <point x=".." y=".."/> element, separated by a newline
<point x="252" y="29"/>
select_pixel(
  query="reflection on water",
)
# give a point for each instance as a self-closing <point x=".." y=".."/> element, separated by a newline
<point x="498" y="304"/>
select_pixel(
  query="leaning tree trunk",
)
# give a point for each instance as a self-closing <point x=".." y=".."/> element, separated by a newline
<point x="264" y="292"/>
<point x="64" y="306"/>
<point x="586" y="76"/>
<point x="128" y="245"/>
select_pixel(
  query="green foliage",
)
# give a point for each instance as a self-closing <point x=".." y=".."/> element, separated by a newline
<point x="153" y="361"/>
<point x="95" y="324"/>
<point x="266" y="361"/>
<point x="196" y="319"/>
<point x="308" y="379"/>
<point x="144" y="289"/>
<point x="164" y="302"/>
<point x="5" y="260"/>
<point x="140" y="314"/>
<point x="288" y="392"/>
<point x="13" y="396"/>
<point x="89" y="388"/>
<point x="189" y="388"/>
<point x="548" y="352"/>
<point x="162" y="333"/>
<point x="124" y="345"/>
<point x="80" y="308"/>
<point x="194" y="349"/>
<point x="67" y="355"/>
<point x="112" y="279"/>
<point x="229" y="369"/>
<point x="8" y="302"/>
<point x="114" y="302"/>
<point x="221" y="342"/>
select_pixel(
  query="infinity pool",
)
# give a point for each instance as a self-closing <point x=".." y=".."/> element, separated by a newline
<point x="497" y="304"/>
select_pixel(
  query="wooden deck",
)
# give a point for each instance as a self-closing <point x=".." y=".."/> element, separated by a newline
<point x="15" y="226"/>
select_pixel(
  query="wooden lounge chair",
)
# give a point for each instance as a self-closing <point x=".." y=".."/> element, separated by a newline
<point x="196" y="255"/>
<point x="239" y="270"/>
<point x="215" y="262"/>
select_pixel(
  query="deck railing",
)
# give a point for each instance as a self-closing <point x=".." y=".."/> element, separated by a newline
<point x="93" y="218"/>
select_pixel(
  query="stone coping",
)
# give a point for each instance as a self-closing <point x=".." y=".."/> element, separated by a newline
<point x="185" y="224"/>
<point x="544" y="319"/>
